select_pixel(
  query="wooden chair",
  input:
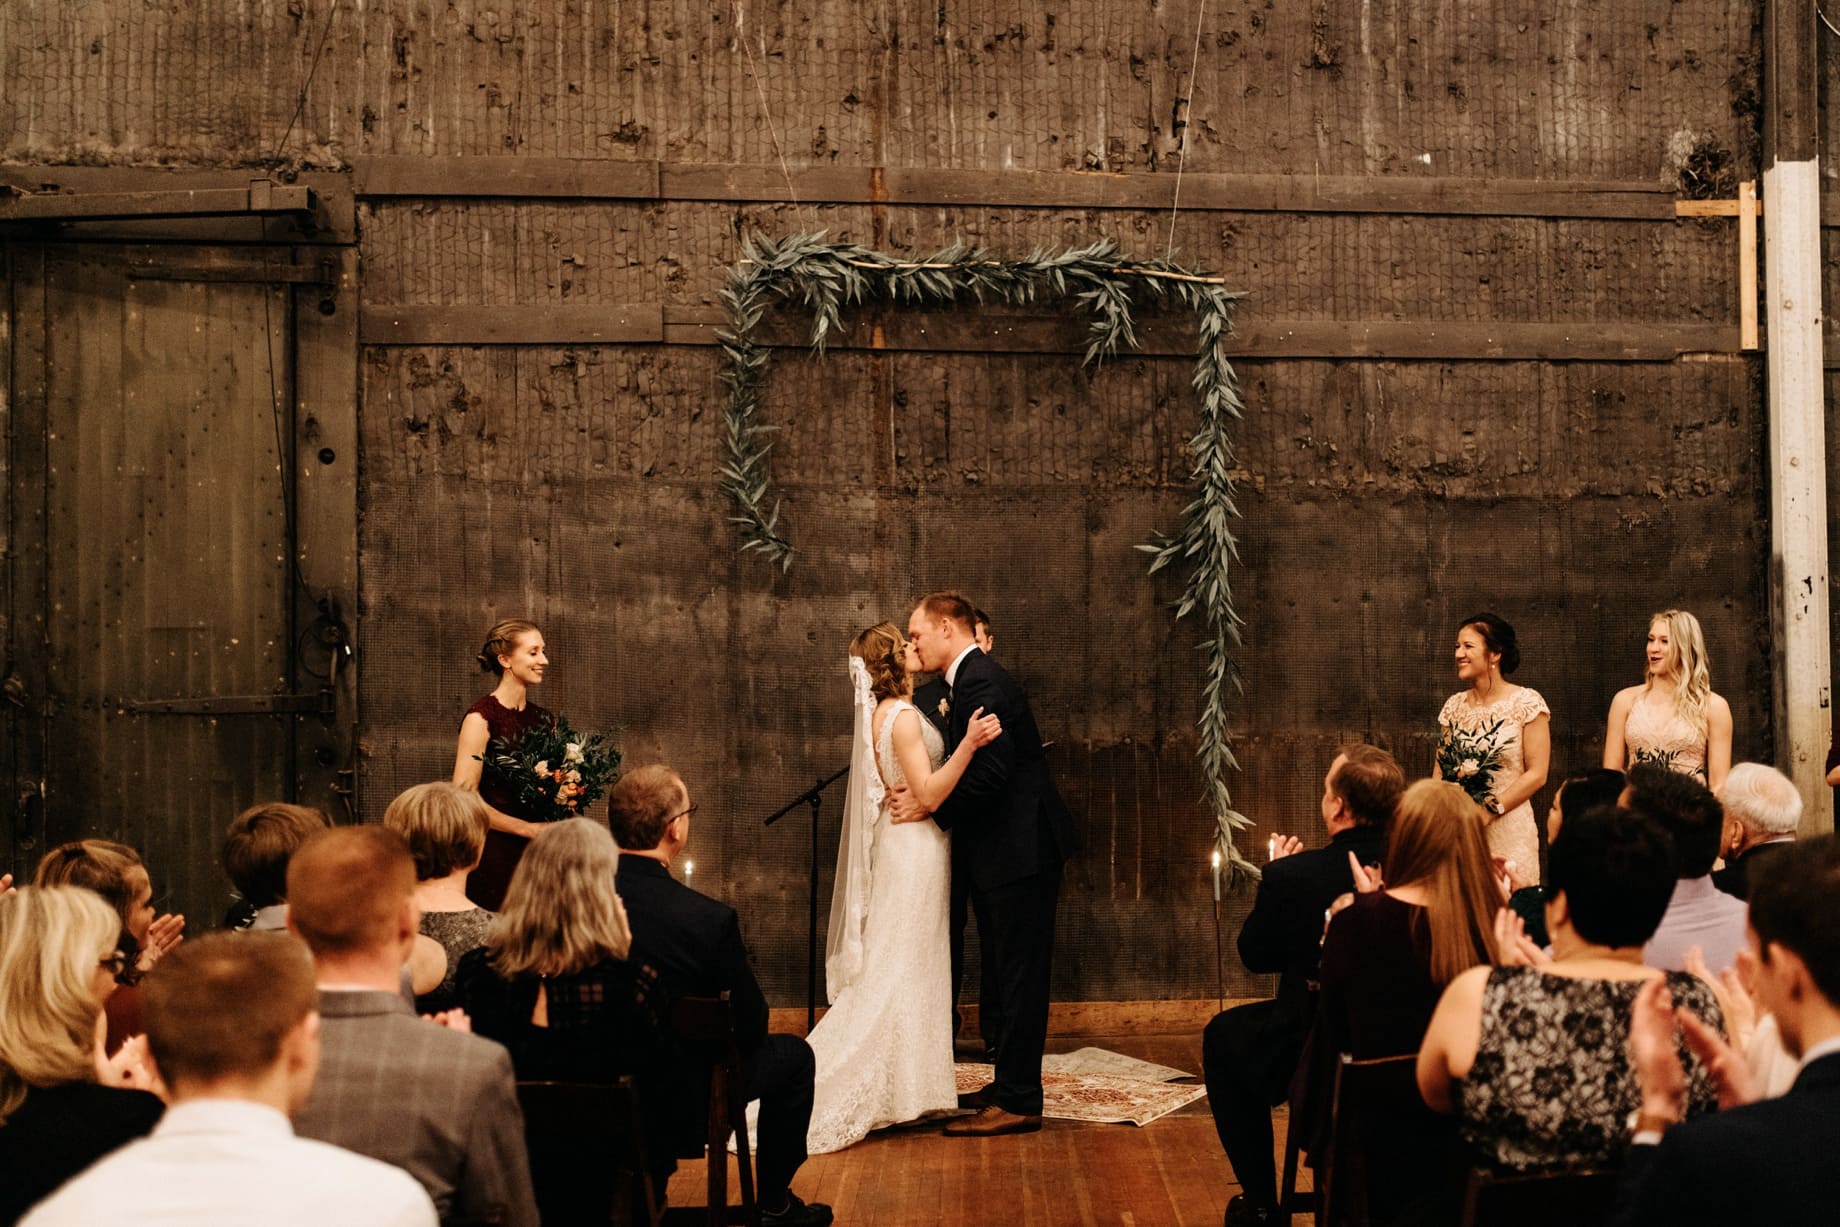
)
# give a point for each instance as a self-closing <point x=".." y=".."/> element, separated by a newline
<point x="1367" y="1095"/>
<point x="1576" y="1198"/>
<point x="1290" y="1202"/>
<point x="705" y="1030"/>
<point x="587" y="1153"/>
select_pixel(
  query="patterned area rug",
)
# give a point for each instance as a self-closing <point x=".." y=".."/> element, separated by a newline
<point x="1100" y="1087"/>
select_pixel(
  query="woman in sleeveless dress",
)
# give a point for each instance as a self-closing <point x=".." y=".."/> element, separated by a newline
<point x="1486" y="652"/>
<point x="1672" y="719"/>
<point x="884" y="1049"/>
<point x="514" y="652"/>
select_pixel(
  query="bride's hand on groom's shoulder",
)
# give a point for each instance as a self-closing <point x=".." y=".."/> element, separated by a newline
<point x="904" y="807"/>
<point x="983" y="729"/>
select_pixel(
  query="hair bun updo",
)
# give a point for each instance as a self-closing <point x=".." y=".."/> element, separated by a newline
<point x="881" y="648"/>
<point x="1498" y="637"/>
<point x="501" y="640"/>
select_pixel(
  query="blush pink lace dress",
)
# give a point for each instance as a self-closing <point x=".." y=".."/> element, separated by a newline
<point x="1512" y="835"/>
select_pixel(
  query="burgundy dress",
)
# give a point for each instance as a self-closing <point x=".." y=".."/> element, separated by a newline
<point x="486" y="885"/>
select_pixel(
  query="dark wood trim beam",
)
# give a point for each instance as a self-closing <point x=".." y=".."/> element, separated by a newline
<point x="527" y="178"/>
<point x="510" y="325"/>
<point x="1791" y="81"/>
<point x="260" y="197"/>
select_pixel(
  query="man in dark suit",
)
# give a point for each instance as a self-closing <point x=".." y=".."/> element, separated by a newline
<point x="1249" y="1053"/>
<point x="1762" y="811"/>
<point x="1772" y="1160"/>
<point x="438" y="1103"/>
<point x="1011" y="833"/>
<point x="694" y="944"/>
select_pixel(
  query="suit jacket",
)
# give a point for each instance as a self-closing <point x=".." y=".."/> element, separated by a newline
<point x="1283" y="933"/>
<point x="1006" y="817"/>
<point x="440" y="1104"/>
<point x="1768" y="1162"/>
<point x="929" y="696"/>
<point x="1740" y="872"/>
<point x="693" y="942"/>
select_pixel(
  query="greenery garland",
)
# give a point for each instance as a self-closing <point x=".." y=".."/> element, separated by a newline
<point x="825" y="278"/>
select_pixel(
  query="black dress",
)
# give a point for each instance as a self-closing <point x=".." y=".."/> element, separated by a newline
<point x="486" y="885"/>
<point x="60" y="1130"/>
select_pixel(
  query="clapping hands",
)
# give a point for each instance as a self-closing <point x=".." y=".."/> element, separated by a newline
<point x="1513" y="948"/>
<point x="162" y="935"/>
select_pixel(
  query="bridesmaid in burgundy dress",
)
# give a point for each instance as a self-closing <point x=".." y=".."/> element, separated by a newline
<point x="514" y="651"/>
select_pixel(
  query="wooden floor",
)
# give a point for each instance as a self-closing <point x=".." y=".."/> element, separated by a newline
<point x="1169" y="1174"/>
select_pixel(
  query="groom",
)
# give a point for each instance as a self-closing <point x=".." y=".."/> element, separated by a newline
<point x="1010" y="834"/>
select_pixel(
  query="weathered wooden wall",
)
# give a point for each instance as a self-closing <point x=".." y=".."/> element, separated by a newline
<point x="1383" y="497"/>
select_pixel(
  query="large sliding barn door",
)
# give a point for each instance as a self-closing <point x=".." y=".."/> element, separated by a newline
<point x="164" y="652"/>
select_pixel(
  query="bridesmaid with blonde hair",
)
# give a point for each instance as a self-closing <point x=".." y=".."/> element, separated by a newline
<point x="1673" y="719"/>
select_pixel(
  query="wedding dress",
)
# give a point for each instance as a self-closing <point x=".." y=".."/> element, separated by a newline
<point x="884" y="1049"/>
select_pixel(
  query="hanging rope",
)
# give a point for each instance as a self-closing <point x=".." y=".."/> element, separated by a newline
<point x="1175" y="204"/>
<point x="766" y="112"/>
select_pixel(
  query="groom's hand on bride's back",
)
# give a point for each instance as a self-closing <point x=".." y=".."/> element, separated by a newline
<point x="903" y="806"/>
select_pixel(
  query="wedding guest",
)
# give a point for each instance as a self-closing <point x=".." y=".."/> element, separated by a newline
<point x="694" y="943"/>
<point x="445" y="827"/>
<point x="1493" y="716"/>
<point x="115" y="872"/>
<point x="513" y="653"/>
<point x="255" y="855"/>
<point x="1248" y="1053"/>
<point x="1673" y="719"/>
<point x="1762" y="1161"/>
<point x="438" y="1103"/>
<point x="1533" y="1059"/>
<point x="980" y="632"/>
<point x="232" y="1032"/>
<point x="62" y="1104"/>
<point x="1699" y="914"/>
<point x="1598" y="786"/>
<point x="1762" y="812"/>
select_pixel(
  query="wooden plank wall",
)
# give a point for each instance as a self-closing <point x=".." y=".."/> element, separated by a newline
<point x="1401" y="464"/>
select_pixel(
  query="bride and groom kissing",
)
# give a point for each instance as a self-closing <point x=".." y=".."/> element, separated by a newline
<point x="976" y="801"/>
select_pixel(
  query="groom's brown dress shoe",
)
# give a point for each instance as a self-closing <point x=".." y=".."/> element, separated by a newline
<point x="993" y="1122"/>
<point x="979" y="1098"/>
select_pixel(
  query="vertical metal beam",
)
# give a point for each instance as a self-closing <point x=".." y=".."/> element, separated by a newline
<point x="1798" y="468"/>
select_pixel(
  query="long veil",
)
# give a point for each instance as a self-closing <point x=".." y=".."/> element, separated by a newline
<point x="843" y="950"/>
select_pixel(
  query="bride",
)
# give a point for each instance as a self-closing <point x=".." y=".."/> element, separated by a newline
<point x="884" y="1049"/>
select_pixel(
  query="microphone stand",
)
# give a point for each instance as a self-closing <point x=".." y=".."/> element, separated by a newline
<point x="814" y="797"/>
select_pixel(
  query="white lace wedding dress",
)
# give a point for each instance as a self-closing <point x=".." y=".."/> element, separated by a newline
<point x="884" y="1050"/>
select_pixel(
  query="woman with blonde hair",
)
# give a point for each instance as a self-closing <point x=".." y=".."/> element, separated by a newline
<point x="63" y="1105"/>
<point x="1673" y="719"/>
<point x="445" y="827"/>
<point x="514" y="653"/>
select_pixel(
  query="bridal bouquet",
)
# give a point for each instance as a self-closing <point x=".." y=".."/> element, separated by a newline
<point x="555" y="772"/>
<point x="1470" y="760"/>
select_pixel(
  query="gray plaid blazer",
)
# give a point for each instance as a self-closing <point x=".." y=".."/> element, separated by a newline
<point x="437" y="1103"/>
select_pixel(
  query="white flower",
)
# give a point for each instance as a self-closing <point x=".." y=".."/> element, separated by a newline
<point x="945" y="707"/>
<point x="573" y="777"/>
<point x="572" y="753"/>
<point x="542" y="768"/>
<point x="1467" y="768"/>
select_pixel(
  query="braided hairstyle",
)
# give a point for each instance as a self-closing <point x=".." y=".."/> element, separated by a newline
<point x="883" y="650"/>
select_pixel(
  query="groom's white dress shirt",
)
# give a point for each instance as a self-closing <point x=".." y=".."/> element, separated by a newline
<point x="952" y="669"/>
<point x="231" y="1163"/>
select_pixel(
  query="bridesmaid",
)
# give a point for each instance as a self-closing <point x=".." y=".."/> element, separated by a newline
<point x="1485" y="653"/>
<point x="1672" y="719"/>
<point x="514" y="651"/>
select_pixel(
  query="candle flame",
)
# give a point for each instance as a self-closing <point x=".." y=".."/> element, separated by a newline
<point x="1214" y="858"/>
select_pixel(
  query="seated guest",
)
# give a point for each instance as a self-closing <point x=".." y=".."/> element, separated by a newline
<point x="437" y="1103"/>
<point x="1699" y="913"/>
<point x="1768" y="1161"/>
<point x="232" y="1033"/>
<point x="1600" y="786"/>
<point x="694" y="943"/>
<point x="1762" y="811"/>
<point x="1534" y="1059"/>
<point x="255" y="855"/>
<point x="115" y="872"/>
<point x="62" y="1106"/>
<point x="1249" y="1053"/>
<point x="1387" y="956"/>
<point x="445" y="828"/>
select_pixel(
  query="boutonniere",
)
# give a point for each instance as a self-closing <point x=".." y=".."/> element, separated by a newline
<point x="945" y="707"/>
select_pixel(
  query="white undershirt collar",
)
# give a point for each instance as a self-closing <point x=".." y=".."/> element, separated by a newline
<point x="952" y="669"/>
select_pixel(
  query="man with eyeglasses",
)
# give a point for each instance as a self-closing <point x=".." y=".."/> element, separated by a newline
<point x="694" y="944"/>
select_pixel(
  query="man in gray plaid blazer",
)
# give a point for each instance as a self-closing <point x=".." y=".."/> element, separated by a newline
<point x="440" y="1104"/>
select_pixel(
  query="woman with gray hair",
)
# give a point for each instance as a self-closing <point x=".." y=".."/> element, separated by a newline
<point x="1762" y="811"/>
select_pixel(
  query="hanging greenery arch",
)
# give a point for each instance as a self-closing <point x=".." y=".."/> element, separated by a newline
<point x="825" y="278"/>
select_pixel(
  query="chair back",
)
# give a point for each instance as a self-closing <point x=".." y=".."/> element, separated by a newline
<point x="705" y="1031"/>
<point x="1580" y="1198"/>
<point x="1369" y="1098"/>
<point x="587" y="1153"/>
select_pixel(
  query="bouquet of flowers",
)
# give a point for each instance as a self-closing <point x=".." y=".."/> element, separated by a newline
<point x="1470" y="760"/>
<point x="1664" y="759"/>
<point x="555" y="772"/>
